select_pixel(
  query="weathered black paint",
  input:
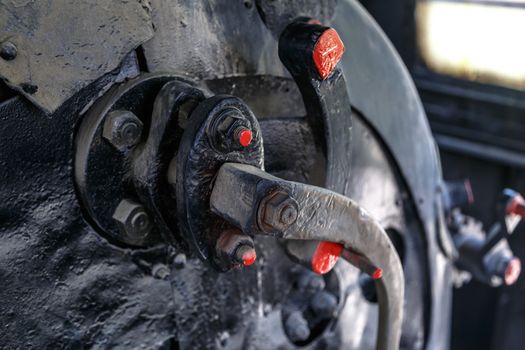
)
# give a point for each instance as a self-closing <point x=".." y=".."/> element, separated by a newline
<point x="198" y="160"/>
<point x="97" y="294"/>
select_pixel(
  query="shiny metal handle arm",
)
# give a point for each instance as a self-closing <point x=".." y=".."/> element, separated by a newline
<point x="259" y="203"/>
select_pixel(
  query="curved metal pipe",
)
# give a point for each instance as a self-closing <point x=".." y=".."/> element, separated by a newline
<point x="241" y="193"/>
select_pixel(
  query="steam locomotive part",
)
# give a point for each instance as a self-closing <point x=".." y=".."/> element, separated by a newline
<point x="311" y="52"/>
<point x="257" y="203"/>
<point x="116" y="160"/>
<point x="207" y="143"/>
<point x="48" y="72"/>
<point x="101" y="282"/>
<point x="513" y="203"/>
<point x="489" y="259"/>
<point x="322" y="215"/>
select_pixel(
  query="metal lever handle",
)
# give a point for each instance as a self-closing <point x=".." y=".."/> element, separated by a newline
<point x="259" y="203"/>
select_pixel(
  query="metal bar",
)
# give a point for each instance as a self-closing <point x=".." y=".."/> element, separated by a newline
<point x="241" y="196"/>
<point x="477" y="150"/>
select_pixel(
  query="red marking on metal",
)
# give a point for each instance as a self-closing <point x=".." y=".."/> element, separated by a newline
<point x="378" y="273"/>
<point x="470" y="193"/>
<point x="512" y="272"/>
<point x="516" y="206"/>
<point x="249" y="257"/>
<point x="328" y="50"/>
<point x="325" y="256"/>
<point x="245" y="137"/>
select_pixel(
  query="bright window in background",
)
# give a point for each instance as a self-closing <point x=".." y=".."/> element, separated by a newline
<point x="476" y="40"/>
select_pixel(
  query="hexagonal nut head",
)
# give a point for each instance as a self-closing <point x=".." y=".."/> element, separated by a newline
<point x="280" y="211"/>
<point x="132" y="219"/>
<point x="221" y="129"/>
<point x="123" y="129"/>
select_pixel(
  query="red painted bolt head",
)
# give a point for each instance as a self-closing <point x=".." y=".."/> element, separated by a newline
<point x="516" y="206"/>
<point x="244" y="136"/>
<point x="246" y="254"/>
<point x="249" y="257"/>
<point x="328" y="50"/>
<point x="325" y="257"/>
<point x="512" y="272"/>
<point x="378" y="273"/>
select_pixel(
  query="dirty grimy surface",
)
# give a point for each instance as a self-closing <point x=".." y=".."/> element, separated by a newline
<point x="62" y="46"/>
<point x="62" y="285"/>
<point x="65" y="287"/>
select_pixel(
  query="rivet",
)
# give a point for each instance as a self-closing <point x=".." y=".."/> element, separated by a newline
<point x="8" y="51"/>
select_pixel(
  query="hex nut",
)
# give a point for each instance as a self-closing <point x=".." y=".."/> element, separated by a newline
<point x="132" y="219"/>
<point x="160" y="271"/>
<point x="323" y="304"/>
<point x="221" y="130"/>
<point x="122" y="129"/>
<point x="179" y="261"/>
<point x="279" y="211"/>
<point x="296" y="327"/>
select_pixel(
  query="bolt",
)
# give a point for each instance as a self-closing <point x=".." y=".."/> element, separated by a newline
<point x="323" y="304"/>
<point x="160" y="271"/>
<point x="515" y="203"/>
<point x="296" y="327"/>
<point x="512" y="271"/>
<point x="123" y="129"/>
<point x="233" y="248"/>
<point x="230" y="130"/>
<point x="328" y="50"/>
<point x="180" y="261"/>
<point x="243" y="136"/>
<point x="310" y="282"/>
<point x="8" y="51"/>
<point x="246" y="254"/>
<point x="218" y="133"/>
<point x="140" y="221"/>
<point x="132" y="219"/>
<point x="223" y="338"/>
<point x="288" y="215"/>
<point x="277" y="212"/>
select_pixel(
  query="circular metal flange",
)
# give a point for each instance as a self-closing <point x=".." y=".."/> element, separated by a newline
<point x="111" y="140"/>
<point x="208" y="142"/>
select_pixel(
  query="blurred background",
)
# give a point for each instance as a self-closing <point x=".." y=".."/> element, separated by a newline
<point x="467" y="59"/>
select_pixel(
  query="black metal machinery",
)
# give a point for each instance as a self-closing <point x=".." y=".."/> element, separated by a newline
<point x="174" y="188"/>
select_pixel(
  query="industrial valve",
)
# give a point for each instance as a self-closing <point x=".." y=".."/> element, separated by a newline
<point x="489" y="259"/>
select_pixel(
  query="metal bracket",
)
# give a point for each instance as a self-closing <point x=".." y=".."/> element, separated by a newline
<point x="201" y="154"/>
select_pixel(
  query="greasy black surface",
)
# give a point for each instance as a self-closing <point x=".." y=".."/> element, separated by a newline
<point x="65" y="286"/>
<point x="102" y="172"/>
<point x="152" y="160"/>
<point x="121" y="279"/>
<point x="291" y="152"/>
<point x="198" y="161"/>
